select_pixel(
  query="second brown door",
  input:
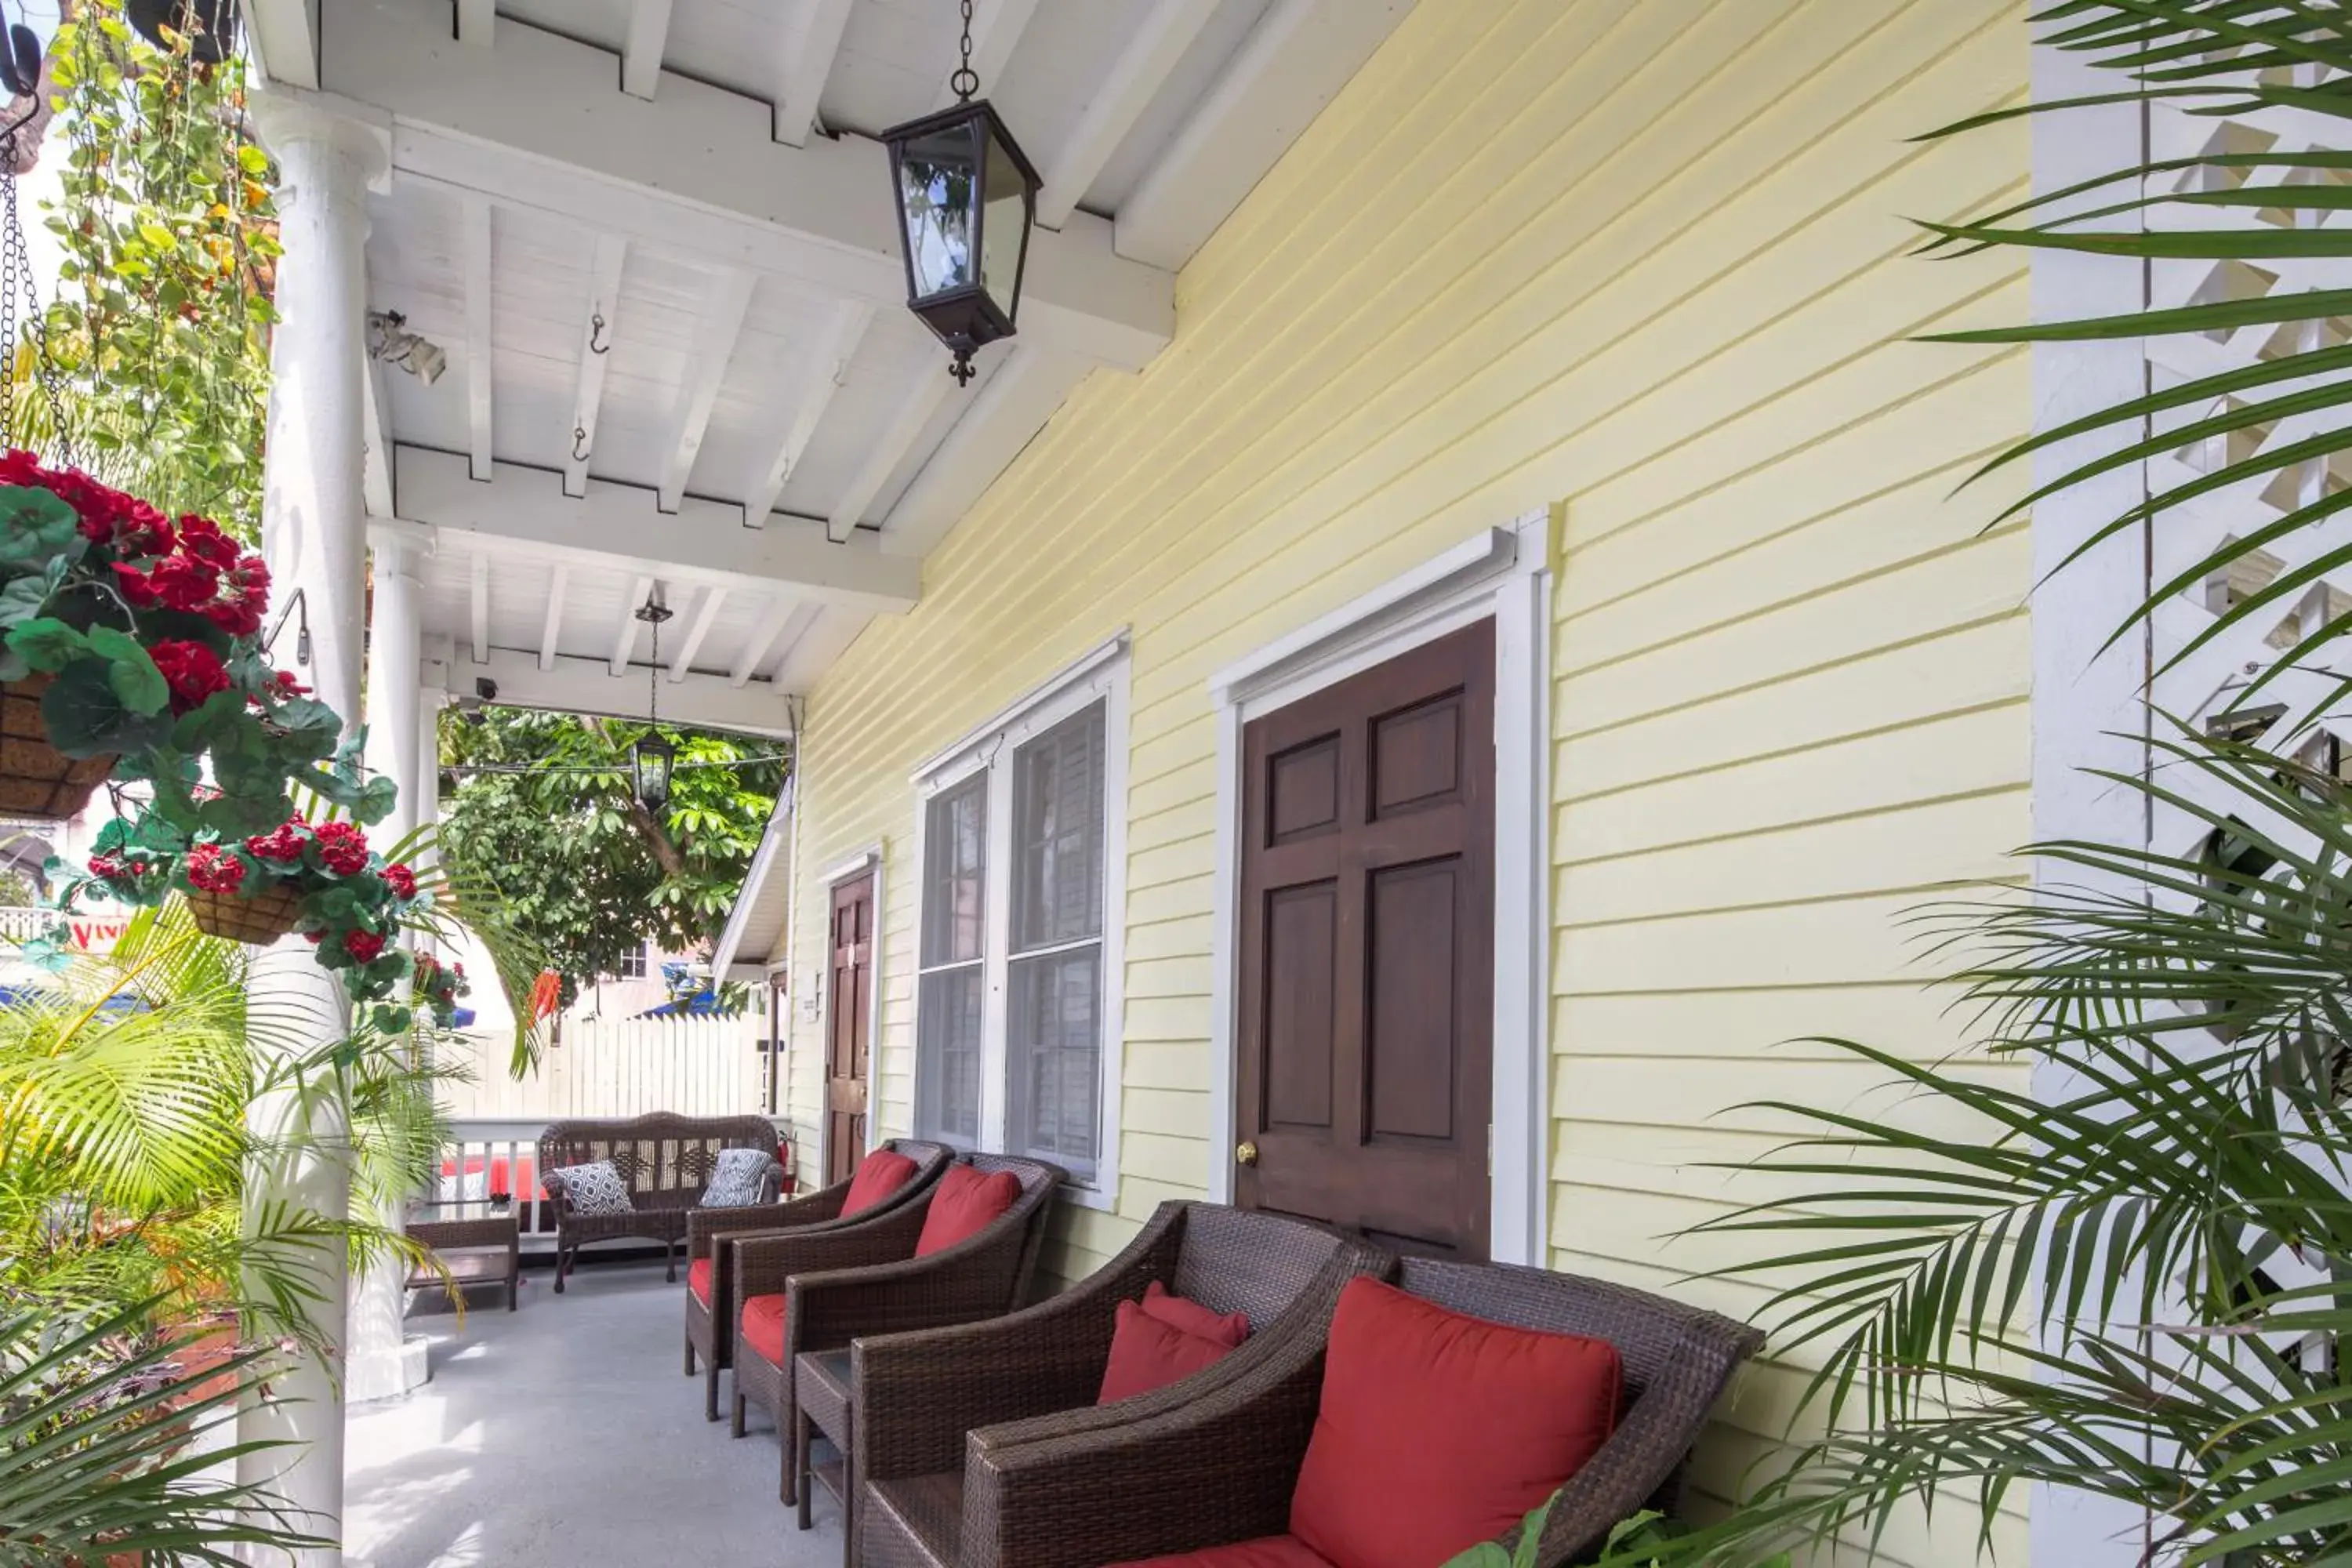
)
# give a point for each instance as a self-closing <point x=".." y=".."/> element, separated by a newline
<point x="850" y="999"/>
<point x="1366" y="951"/>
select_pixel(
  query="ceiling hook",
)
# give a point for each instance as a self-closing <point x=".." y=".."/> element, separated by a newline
<point x="579" y="443"/>
<point x="596" y="343"/>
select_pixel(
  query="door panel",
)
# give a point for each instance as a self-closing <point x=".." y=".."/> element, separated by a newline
<point x="1365" y="1036"/>
<point x="850" y="999"/>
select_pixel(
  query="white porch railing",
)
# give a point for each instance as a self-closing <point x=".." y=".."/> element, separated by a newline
<point x="696" y="1067"/>
<point x="19" y="924"/>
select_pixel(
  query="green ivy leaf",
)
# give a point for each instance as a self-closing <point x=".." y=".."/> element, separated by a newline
<point x="46" y="643"/>
<point x="133" y="674"/>
<point x="85" y="717"/>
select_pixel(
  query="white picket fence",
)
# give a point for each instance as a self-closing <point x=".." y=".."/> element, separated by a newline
<point x="696" y="1067"/>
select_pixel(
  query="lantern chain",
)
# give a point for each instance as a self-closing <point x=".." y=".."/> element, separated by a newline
<point x="966" y="81"/>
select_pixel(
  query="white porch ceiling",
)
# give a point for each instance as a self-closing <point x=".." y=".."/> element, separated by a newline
<point x="654" y="239"/>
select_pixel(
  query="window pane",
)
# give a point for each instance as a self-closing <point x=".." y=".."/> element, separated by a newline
<point x="955" y="841"/>
<point x="1057" y="821"/>
<point x="1053" y="1056"/>
<point x="946" y="1052"/>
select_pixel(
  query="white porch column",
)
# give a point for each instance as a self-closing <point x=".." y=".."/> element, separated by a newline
<point x="313" y="535"/>
<point x="384" y="1360"/>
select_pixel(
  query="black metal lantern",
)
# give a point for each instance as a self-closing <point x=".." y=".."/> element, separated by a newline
<point x="653" y="757"/>
<point x="966" y="197"/>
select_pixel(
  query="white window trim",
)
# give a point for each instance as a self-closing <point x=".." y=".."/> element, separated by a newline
<point x="1502" y="573"/>
<point x="1102" y="675"/>
<point x="865" y="860"/>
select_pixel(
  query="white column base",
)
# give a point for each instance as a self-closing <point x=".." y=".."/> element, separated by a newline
<point x="387" y="1374"/>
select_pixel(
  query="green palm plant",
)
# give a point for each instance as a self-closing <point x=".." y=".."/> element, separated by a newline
<point x="2131" y="1279"/>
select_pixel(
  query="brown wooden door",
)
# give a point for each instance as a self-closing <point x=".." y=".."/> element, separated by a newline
<point x="1367" y="909"/>
<point x="850" y="999"/>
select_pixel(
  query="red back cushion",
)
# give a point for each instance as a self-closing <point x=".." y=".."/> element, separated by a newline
<point x="879" y="1174"/>
<point x="963" y="1207"/>
<point x="1438" y="1431"/>
<point x="1227" y="1328"/>
<point x="1149" y="1352"/>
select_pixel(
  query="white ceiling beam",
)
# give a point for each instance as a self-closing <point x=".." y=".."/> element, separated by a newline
<point x="825" y="636"/>
<point x="1004" y="416"/>
<point x="697" y="628"/>
<point x="535" y="124"/>
<point x="375" y="474"/>
<point x="624" y="641"/>
<point x="825" y="367"/>
<point x="479" y="604"/>
<point x="588" y="686"/>
<point x="523" y="513"/>
<point x="763" y="638"/>
<point x="1294" y="61"/>
<point x="921" y="400"/>
<point x="478" y="21"/>
<point x="1135" y="80"/>
<point x="285" y="40"/>
<point x="596" y="330"/>
<point x="996" y="28"/>
<point x="641" y="56"/>
<point x="479" y="348"/>
<point x="809" y="70"/>
<point x="724" y="303"/>
<point x="550" y="631"/>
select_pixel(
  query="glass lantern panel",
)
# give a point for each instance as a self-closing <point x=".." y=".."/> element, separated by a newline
<point x="1004" y="225"/>
<point x="936" y="174"/>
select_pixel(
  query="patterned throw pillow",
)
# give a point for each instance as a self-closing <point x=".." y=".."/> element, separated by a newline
<point x="596" y="1188"/>
<point x="736" y="1182"/>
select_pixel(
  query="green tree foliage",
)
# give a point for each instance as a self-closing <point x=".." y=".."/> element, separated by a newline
<point x="160" y="331"/>
<point x="542" y="809"/>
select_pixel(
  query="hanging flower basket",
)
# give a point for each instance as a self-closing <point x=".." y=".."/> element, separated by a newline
<point x="36" y="780"/>
<point x="257" y="921"/>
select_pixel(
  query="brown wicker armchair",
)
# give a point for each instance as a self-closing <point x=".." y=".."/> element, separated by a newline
<point x="1219" y="1465"/>
<point x="866" y="1279"/>
<point x="664" y="1160"/>
<point x="709" y="1330"/>
<point x="1036" y="1373"/>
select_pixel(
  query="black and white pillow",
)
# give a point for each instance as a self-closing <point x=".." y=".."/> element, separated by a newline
<point x="737" y="1182"/>
<point x="596" y="1188"/>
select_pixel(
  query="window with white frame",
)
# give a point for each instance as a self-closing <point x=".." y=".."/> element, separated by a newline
<point x="1015" y="1003"/>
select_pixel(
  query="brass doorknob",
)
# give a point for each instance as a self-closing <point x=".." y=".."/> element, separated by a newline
<point x="1246" y="1154"/>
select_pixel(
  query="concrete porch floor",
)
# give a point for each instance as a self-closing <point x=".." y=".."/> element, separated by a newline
<point x="565" y="1436"/>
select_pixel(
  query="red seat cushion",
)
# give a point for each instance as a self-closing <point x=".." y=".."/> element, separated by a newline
<point x="879" y="1174"/>
<point x="1148" y="1352"/>
<point x="1227" y="1328"/>
<point x="697" y="1278"/>
<point x="764" y="1327"/>
<point x="1265" y="1551"/>
<point x="1438" y="1431"/>
<point x="963" y="1207"/>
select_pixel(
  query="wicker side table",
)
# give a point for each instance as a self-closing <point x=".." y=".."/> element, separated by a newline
<point x="477" y="1243"/>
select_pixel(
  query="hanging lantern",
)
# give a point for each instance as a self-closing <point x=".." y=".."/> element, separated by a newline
<point x="652" y="759"/>
<point x="966" y="197"/>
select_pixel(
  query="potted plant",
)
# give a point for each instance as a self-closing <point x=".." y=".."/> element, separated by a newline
<point x="131" y="647"/>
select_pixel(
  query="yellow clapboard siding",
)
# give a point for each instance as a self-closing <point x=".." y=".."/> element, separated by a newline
<point x="1646" y="262"/>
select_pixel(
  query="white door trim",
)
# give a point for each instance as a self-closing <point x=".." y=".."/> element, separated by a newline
<point x="1502" y="573"/>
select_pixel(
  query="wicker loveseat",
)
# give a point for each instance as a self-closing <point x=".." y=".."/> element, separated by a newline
<point x="711" y="1273"/>
<point x="664" y="1160"/>
<point x="866" y="1279"/>
<point x="1218" y="1465"/>
<point x="1033" y="1375"/>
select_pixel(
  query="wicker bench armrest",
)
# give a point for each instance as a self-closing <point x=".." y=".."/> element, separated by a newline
<point x="558" y="1191"/>
<point x="1217" y="1468"/>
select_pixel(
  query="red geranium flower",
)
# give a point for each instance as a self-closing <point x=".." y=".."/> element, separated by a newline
<point x="342" y="848"/>
<point x="201" y="539"/>
<point x="184" y="583"/>
<point x="192" y="671"/>
<point x="103" y="865"/>
<point x="283" y="843"/>
<point x="212" y="869"/>
<point x="362" y="945"/>
<point x="283" y="684"/>
<point x="403" y="880"/>
<point x="314" y="937"/>
<point x="138" y="589"/>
